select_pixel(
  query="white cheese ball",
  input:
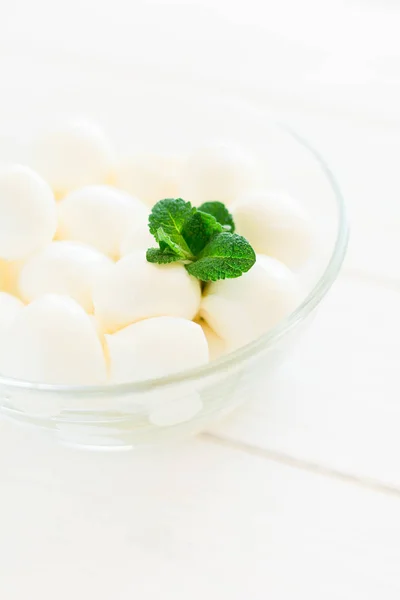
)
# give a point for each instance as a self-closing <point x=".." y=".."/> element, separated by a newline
<point x="277" y="225"/>
<point x="4" y="275"/>
<point x="134" y="289"/>
<point x="217" y="172"/>
<point x="28" y="219"/>
<point x="240" y="310"/>
<point x="150" y="177"/>
<point x="74" y="154"/>
<point x="67" y="268"/>
<point x="138" y="238"/>
<point x="216" y="345"/>
<point x="52" y="340"/>
<point x="155" y="348"/>
<point x="10" y="306"/>
<point x="99" y="329"/>
<point x="98" y="326"/>
<point x="100" y="216"/>
<point x="10" y="271"/>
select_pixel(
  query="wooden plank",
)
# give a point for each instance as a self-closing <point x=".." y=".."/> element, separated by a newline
<point x="196" y="520"/>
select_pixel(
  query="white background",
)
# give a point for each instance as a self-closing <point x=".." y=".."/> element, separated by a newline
<point x="296" y="496"/>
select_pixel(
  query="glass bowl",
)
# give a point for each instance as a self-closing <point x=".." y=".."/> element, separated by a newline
<point x="151" y="110"/>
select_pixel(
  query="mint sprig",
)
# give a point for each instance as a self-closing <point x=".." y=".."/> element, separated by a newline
<point x="201" y="238"/>
<point x="221" y="213"/>
<point x="227" y="255"/>
<point x="198" y="230"/>
<point x="166" y="222"/>
<point x="162" y="257"/>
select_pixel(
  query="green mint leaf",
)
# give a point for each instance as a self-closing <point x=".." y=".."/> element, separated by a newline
<point x="170" y="216"/>
<point x="221" y="213"/>
<point x="168" y="245"/>
<point x="155" y="255"/>
<point x="202" y="237"/>
<point x="227" y="255"/>
<point x="198" y="231"/>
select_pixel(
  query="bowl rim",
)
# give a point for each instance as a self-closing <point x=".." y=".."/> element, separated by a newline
<point x="251" y="349"/>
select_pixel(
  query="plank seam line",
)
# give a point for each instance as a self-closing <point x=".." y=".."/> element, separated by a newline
<point x="304" y="465"/>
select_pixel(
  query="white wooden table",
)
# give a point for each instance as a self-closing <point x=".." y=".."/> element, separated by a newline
<point x="297" y="494"/>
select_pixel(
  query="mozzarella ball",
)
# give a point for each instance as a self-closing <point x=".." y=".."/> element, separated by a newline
<point x="149" y="177"/>
<point x="67" y="268"/>
<point x="134" y="289"/>
<point x="74" y="154"/>
<point x="99" y="329"/>
<point x="137" y="238"/>
<point x="276" y="225"/>
<point x="28" y="218"/>
<point x="216" y="345"/>
<point x="10" y="276"/>
<point x="155" y="348"/>
<point x="4" y="275"/>
<point x="240" y="310"/>
<point x="10" y="306"/>
<point x="53" y="341"/>
<point x="98" y="326"/>
<point x="100" y="216"/>
<point x="217" y="172"/>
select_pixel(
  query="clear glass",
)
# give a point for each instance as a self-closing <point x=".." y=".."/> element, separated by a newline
<point x="143" y="109"/>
